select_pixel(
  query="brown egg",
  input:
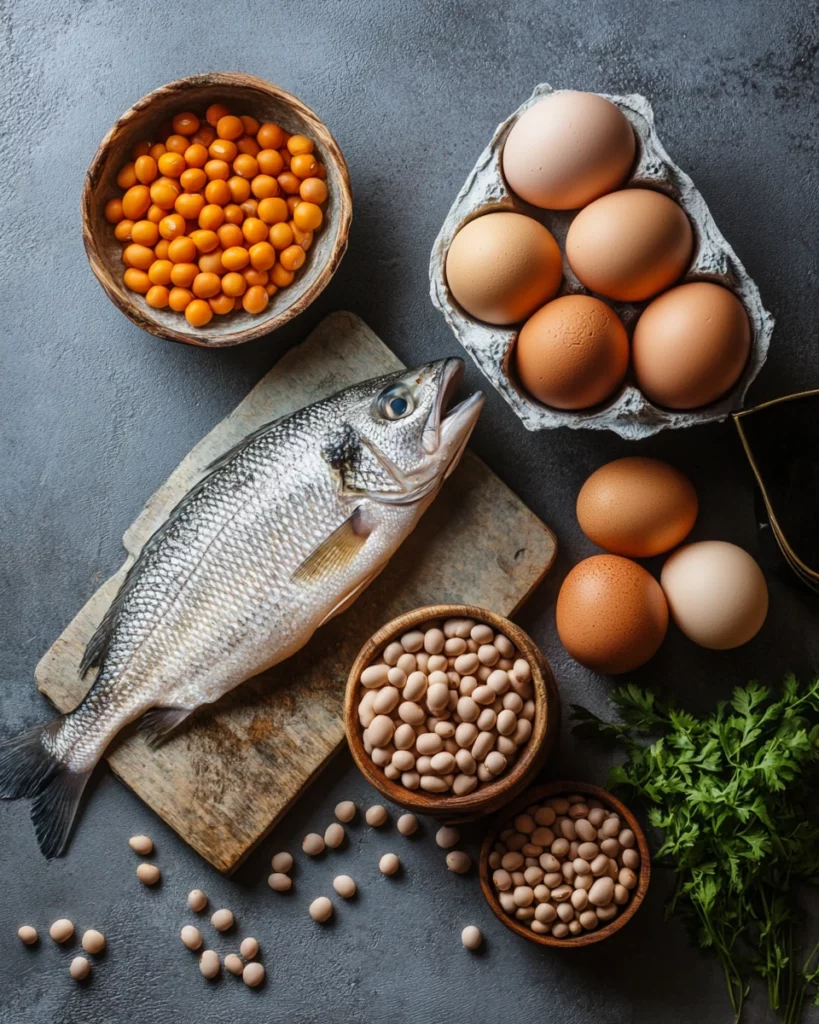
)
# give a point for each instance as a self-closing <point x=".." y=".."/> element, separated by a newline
<point x="630" y="245"/>
<point x="611" y="614"/>
<point x="637" y="506"/>
<point x="502" y="266"/>
<point x="568" y="150"/>
<point x="572" y="353"/>
<point x="691" y="345"/>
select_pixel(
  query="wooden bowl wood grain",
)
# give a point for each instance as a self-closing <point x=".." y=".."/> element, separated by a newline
<point x="534" y="796"/>
<point x="488" y="798"/>
<point x="245" y="94"/>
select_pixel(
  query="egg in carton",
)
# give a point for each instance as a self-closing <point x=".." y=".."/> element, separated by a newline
<point x="628" y="412"/>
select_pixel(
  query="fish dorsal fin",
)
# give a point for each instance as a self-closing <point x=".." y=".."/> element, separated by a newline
<point x="334" y="553"/>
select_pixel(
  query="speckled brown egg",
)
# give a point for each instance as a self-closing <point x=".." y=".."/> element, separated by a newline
<point x="691" y="345"/>
<point x="630" y="245"/>
<point x="611" y="614"/>
<point x="572" y="353"/>
<point x="637" y="506"/>
<point x="500" y="267"/>
<point x="567" y="150"/>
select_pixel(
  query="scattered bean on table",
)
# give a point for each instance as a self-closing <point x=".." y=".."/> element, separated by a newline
<point x="62" y="930"/>
<point x="282" y="861"/>
<point x="345" y="811"/>
<point x="233" y="964"/>
<point x="471" y="937"/>
<point x="389" y="864"/>
<point x="148" y="874"/>
<point x="209" y="963"/>
<point x="253" y="975"/>
<point x="313" y="844"/>
<point x="344" y="886"/>
<point x="79" y="969"/>
<point x="27" y="934"/>
<point x="93" y="941"/>
<point x="142" y="845"/>
<point x="376" y="815"/>
<point x="222" y="920"/>
<point x="321" y="909"/>
<point x="197" y="900"/>
<point x="407" y="824"/>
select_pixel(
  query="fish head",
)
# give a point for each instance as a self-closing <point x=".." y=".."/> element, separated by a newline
<point x="409" y="435"/>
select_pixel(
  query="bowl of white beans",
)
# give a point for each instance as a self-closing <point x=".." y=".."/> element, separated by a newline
<point x="566" y="864"/>
<point x="451" y="710"/>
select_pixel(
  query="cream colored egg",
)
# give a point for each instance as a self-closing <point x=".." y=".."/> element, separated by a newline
<point x="716" y="593"/>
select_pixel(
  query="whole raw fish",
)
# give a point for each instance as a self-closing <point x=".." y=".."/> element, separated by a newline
<point x="282" y="533"/>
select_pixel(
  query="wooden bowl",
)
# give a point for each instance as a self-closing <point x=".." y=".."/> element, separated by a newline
<point x="533" y="796"/>
<point x="245" y="95"/>
<point x="489" y="797"/>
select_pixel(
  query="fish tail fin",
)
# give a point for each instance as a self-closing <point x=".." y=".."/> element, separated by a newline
<point x="29" y="768"/>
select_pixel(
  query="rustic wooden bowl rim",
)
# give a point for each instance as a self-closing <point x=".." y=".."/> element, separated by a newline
<point x="420" y="800"/>
<point x="534" y="795"/>
<point x="264" y="323"/>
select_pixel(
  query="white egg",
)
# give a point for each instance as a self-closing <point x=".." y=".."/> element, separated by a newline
<point x="716" y="593"/>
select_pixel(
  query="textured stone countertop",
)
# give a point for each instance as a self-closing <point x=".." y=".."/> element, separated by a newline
<point x="96" y="413"/>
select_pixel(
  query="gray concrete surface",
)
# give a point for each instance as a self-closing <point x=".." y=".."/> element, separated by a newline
<point x="96" y="413"/>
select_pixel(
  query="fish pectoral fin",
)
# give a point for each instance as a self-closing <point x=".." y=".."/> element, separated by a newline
<point x="334" y="553"/>
<point x="159" y="723"/>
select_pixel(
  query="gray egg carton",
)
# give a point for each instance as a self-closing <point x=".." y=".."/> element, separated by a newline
<point x="628" y="412"/>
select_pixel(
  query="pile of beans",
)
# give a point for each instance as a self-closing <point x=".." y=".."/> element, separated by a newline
<point x="565" y="866"/>
<point x="447" y="707"/>
<point x="217" y="214"/>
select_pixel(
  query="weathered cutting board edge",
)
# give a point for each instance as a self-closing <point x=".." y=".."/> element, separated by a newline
<point x="336" y="339"/>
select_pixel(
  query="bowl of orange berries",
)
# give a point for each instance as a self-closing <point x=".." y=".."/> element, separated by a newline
<point x="216" y="209"/>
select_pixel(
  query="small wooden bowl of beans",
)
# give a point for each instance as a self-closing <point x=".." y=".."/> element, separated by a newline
<point x="216" y="209"/>
<point x="566" y="864"/>
<point x="451" y="711"/>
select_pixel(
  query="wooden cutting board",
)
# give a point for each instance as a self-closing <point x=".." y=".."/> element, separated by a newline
<point x="228" y="776"/>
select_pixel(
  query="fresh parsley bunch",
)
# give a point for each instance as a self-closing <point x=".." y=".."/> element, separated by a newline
<point x="731" y="792"/>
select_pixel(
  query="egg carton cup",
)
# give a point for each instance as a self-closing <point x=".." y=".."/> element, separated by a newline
<point x="628" y="412"/>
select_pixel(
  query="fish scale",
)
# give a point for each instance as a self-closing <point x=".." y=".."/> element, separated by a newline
<point x="282" y="533"/>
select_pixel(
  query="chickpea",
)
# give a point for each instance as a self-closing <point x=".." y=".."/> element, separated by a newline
<point x="215" y="112"/>
<point x="281" y="277"/>
<point x="264" y="186"/>
<point x="171" y="165"/>
<point x="127" y="176"/>
<point x="308" y="216"/>
<point x="270" y="136"/>
<point x="298" y="144"/>
<point x="189" y="206"/>
<point x="198" y="313"/>
<point x="122" y="232"/>
<point x="273" y="210"/>
<point x="157" y="150"/>
<point x="255" y="299"/>
<point x="292" y="257"/>
<point x="250" y="207"/>
<point x="211" y="217"/>
<point x="163" y="193"/>
<point x="155" y="213"/>
<point x="223" y="149"/>
<point x="160" y="272"/>
<point x="179" y="299"/>
<point x="183" y="274"/>
<point x="229" y="234"/>
<point x="292" y="203"/>
<point x="289" y="183"/>
<point x="229" y="127"/>
<point x="196" y="156"/>
<point x="270" y="162"/>
<point x="304" y="165"/>
<point x="211" y="263"/>
<point x="234" y="214"/>
<point x="217" y="192"/>
<point x="246" y="166"/>
<point x="205" y="285"/>
<point x="280" y="235"/>
<point x="139" y="256"/>
<point x="217" y="169"/>
<point x="185" y="123"/>
<point x="254" y="230"/>
<point x="193" y="179"/>
<point x="239" y="187"/>
<point x="234" y="285"/>
<point x="204" y="240"/>
<point x="145" y="233"/>
<point x="136" y="201"/>
<point x="176" y="144"/>
<point x="253" y="277"/>
<point x="221" y="304"/>
<point x="247" y="144"/>
<point x="182" y="250"/>
<point x="313" y="190"/>
<point x="157" y="296"/>
<point x="113" y="211"/>
<point x="262" y="255"/>
<point x="172" y="226"/>
<point x="161" y="249"/>
<point x="235" y="257"/>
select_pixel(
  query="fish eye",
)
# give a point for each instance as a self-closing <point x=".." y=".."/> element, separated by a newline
<point x="395" y="402"/>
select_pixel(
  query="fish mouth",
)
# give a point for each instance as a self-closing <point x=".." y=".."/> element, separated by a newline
<point x="448" y="430"/>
